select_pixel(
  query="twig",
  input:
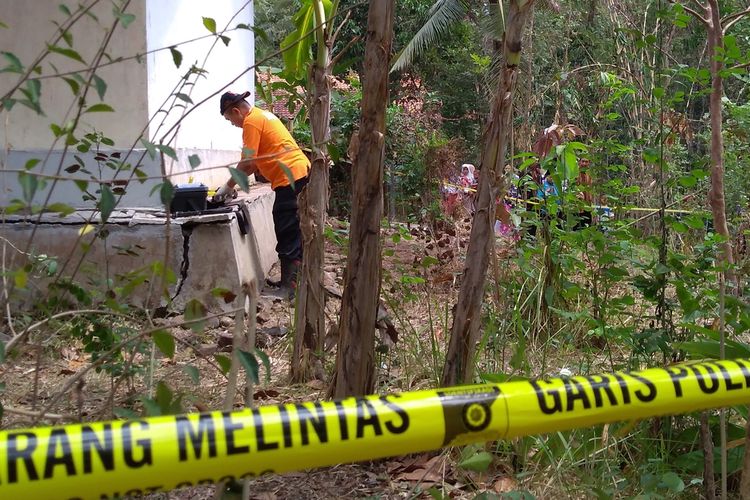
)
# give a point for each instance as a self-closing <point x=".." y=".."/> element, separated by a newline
<point x="30" y="413"/>
<point x="730" y="20"/>
<point x="21" y="336"/>
<point x="115" y="349"/>
<point x="332" y="39"/>
<point x="343" y="51"/>
<point x="694" y="13"/>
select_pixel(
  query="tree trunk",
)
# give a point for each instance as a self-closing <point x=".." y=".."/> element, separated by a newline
<point x="355" y="359"/>
<point x="310" y="320"/>
<point x="467" y="318"/>
<point x="716" y="193"/>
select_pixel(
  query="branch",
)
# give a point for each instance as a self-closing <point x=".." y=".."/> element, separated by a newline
<point x="343" y="51"/>
<point x="105" y="356"/>
<point x="730" y="20"/>
<point x="18" y="338"/>
<point x="335" y="35"/>
<point x="29" y="413"/>
<point x="694" y="13"/>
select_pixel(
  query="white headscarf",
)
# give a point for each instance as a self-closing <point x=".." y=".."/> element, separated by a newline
<point x="470" y="174"/>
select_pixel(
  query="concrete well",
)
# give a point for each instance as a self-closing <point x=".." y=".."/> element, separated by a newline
<point x="204" y="252"/>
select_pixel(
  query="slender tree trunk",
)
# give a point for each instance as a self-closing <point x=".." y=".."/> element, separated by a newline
<point x="716" y="193"/>
<point x="355" y="359"/>
<point x="310" y="320"/>
<point x="467" y="317"/>
<point x="707" y="443"/>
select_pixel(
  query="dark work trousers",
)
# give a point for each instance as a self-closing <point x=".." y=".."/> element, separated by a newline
<point x="286" y="220"/>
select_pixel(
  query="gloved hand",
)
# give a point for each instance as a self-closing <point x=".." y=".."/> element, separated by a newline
<point x="223" y="194"/>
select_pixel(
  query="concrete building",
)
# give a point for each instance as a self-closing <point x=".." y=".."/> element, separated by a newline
<point x="161" y="66"/>
<point x="141" y="88"/>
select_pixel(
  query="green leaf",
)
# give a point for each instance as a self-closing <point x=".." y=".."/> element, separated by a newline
<point x="176" y="56"/>
<point x="240" y="178"/>
<point x="150" y="147"/>
<point x="266" y="364"/>
<point x="570" y="164"/>
<point x="225" y="39"/>
<point x="194" y="161"/>
<point x="99" y="108"/>
<point x="296" y="46"/>
<point x="694" y="221"/>
<point x="125" y="413"/>
<point x="224" y="363"/>
<point x="29" y="184"/>
<point x="166" y="192"/>
<point x="64" y="9"/>
<point x="442" y="18"/>
<point x="672" y="482"/>
<point x="101" y="86"/>
<point x="193" y="373"/>
<point x="107" y="203"/>
<point x="82" y="185"/>
<point x="210" y="24"/>
<point x="61" y="208"/>
<point x="31" y="163"/>
<point x="184" y="97"/>
<point x="72" y="54"/>
<point x="20" y="278"/>
<point x="74" y="87"/>
<point x="250" y="364"/>
<point x="125" y="18"/>
<point x="225" y="294"/>
<point x="478" y="462"/>
<point x="167" y="151"/>
<point x="429" y="260"/>
<point x="287" y="171"/>
<point x="164" y="341"/>
<point x="14" y="63"/>
<point x="194" y="311"/>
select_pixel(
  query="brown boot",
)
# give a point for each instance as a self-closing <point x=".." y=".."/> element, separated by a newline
<point x="287" y="286"/>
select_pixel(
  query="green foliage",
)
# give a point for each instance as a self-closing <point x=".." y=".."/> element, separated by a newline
<point x="296" y="47"/>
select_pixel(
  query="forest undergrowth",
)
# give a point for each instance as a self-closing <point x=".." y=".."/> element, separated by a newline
<point x="529" y="331"/>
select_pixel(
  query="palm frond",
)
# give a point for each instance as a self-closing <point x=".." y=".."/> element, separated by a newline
<point x="442" y="15"/>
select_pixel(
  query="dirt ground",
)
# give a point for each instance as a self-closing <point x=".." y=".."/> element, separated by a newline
<point x="417" y="309"/>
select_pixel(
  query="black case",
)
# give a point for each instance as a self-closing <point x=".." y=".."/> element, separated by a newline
<point x="189" y="198"/>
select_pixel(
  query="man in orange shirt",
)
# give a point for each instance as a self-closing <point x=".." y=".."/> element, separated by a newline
<point x="269" y="149"/>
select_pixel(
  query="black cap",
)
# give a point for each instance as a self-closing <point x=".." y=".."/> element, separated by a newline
<point x="229" y="99"/>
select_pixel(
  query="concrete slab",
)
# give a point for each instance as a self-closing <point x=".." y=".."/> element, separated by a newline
<point x="203" y="252"/>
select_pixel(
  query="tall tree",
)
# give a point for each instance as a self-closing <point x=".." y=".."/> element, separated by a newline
<point x="355" y="359"/>
<point x="709" y="15"/>
<point x="310" y="319"/>
<point x="467" y="317"/>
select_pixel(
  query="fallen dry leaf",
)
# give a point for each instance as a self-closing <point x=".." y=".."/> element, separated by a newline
<point x="318" y="385"/>
<point x="420" y="476"/>
<point x="505" y="484"/>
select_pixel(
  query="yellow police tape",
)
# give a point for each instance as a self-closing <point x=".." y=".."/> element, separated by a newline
<point x="114" y="459"/>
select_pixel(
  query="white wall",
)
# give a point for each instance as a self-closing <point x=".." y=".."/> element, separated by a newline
<point x="136" y="89"/>
<point x="203" y="131"/>
<point x="30" y="26"/>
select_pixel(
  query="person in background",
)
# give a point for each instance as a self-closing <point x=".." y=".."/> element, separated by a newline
<point x="468" y="184"/>
<point x="269" y="149"/>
